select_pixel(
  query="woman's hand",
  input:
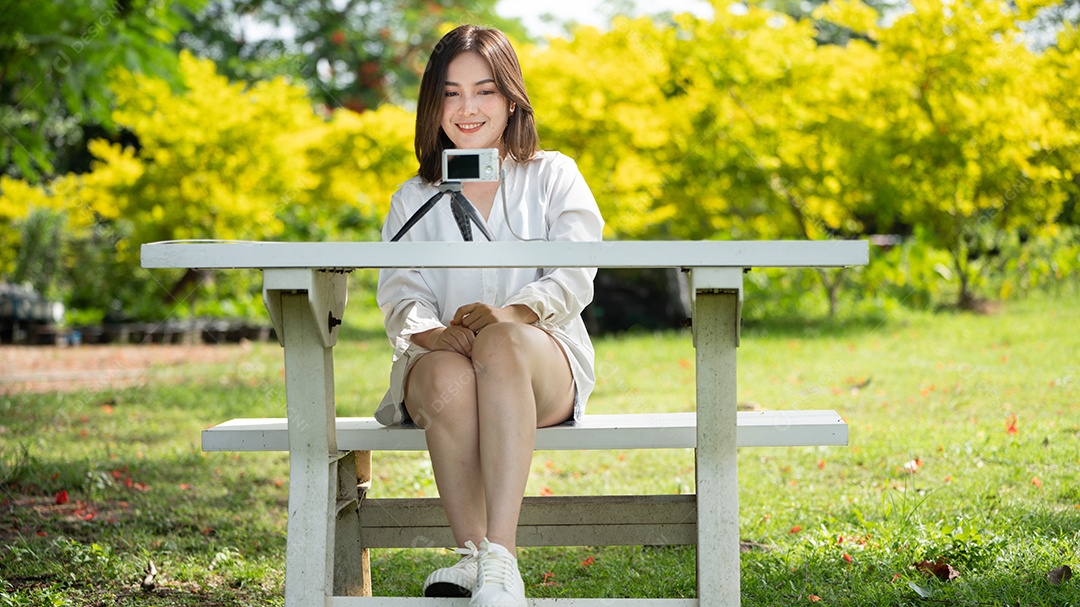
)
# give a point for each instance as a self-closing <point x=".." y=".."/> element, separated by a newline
<point x="476" y="316"/>
<point x="454" y="338"/>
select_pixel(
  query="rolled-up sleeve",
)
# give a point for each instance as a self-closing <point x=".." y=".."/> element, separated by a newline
<point x="572" y="216"/>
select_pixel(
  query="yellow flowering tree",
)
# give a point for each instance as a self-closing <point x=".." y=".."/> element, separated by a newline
<point x="215" y="160"/>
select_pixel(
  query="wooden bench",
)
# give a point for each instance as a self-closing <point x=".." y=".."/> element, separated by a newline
<point x="332" y="524"/>
<point x="545" y="521"/>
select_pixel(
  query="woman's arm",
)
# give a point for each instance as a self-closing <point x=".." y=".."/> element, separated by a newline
<point x="572" y="216"/>
<point x="408" y="305"/>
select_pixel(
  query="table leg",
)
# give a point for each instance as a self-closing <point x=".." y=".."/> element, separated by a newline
<point x="309" y="394"/>
<point x="716" y="318"/>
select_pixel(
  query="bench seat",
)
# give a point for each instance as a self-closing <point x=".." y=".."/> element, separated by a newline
<point x="622" y="431"/>
<point x="605" y="520"/>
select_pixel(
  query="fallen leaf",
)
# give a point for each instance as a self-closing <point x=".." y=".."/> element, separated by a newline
<point x="795" y="529"/>
<point x="1059" y="575"/>
<point x="939" y="569"/>
<point x="911" y="467"/>
<point x="1035" y="481"/>
<point x="587" y="562"/>
<point x="61" y="497"/>
<point x="546" y="492"/>
<point x="847" y="557"/>
<point x="1010" y="425"/>
<point x="814" y="598"/>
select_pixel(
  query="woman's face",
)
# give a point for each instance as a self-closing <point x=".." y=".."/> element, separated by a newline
<point x="474" y="111"/>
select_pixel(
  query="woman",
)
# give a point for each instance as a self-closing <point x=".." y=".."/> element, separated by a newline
<point x="484" y="357"/>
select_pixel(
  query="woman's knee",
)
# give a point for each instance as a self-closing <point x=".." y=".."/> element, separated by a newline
<point x="505" y="346"/>
<point x="441" y="382"/>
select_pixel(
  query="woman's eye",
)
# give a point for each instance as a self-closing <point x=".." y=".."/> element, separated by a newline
<point x="449" y="94"/>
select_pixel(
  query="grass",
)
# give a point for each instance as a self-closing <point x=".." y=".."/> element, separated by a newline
<point x="964" y="447"/>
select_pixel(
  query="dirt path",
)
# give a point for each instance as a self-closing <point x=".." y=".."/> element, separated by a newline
<point x="36" y="369"/>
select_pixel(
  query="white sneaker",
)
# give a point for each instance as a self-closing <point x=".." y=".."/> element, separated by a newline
<point x="498" y="580"/>
<point x="457" y="580"/>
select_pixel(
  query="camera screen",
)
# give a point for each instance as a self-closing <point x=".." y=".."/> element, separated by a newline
<point x="463" y="167"/>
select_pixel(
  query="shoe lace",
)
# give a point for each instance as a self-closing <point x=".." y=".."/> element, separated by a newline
<point x="469" y="552"/>
<point x="498" y="570"/>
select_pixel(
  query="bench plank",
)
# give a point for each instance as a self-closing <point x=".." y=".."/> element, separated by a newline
<point x="381" y="601"/>
<point x="595" y="520"/>
<point x="622" y="431"/>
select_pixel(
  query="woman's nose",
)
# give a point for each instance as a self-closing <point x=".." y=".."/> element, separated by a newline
<point x="468" y="104"/>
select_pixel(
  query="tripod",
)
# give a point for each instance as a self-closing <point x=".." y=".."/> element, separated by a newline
<point x="463" y="212"/>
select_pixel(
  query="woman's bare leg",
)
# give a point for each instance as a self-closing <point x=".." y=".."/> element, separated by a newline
<point x="523" y="381"/>
<point x="441" y="398"/>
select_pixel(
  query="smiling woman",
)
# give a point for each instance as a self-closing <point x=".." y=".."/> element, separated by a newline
<point x="483" y="357"/>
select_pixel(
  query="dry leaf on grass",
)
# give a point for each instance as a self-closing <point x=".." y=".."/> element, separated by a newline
<point x="939" y="569"/>
<point x="1059" y="575"/>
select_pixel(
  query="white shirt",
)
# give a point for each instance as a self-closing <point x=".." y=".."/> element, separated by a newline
<point x="546" y="198"/>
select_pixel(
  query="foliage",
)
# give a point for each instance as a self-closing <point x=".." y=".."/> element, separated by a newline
<point x="249" y="164"/>
<point x="357" y="54"/>
<point x="744" y="126"/>
<point x="939" y="124"/>
<point x="54" y="64"/>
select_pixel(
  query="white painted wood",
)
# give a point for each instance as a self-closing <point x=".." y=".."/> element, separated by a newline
<point x="327" y="293"/>
<point x="715" y="320"/>
<point x="479" y="254"/>
<point x="623" y="431"/>
<point x="573" y="520"/>
<point x="309" y="394"/>
<point x="718" y="279"/>
<point x="381" y="601"/>
<point x="548" y="510"/>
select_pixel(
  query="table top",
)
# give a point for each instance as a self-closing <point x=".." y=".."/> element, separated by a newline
<point x="208" y="255"/>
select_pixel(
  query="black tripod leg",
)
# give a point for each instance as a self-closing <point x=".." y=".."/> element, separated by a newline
<point x="463" y="202"/>
<point x="461" y="219"/>
<point x="417" y="216"/>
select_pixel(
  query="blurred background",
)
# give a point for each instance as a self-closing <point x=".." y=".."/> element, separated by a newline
<point x="945" y="132"/>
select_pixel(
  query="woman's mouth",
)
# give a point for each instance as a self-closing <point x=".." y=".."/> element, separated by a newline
<point x="470" y="127"/>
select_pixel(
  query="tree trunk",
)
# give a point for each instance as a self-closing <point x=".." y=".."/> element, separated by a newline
<point x="965" y="300"/>
<point x="832" y="288"/>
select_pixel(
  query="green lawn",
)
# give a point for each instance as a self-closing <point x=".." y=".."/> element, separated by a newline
<point x="964" y="446"/>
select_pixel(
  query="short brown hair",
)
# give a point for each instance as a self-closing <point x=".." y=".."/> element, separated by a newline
<point x="520" y="136"/>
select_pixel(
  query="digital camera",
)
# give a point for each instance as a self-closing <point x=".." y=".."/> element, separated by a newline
<point x="470" y="165"/>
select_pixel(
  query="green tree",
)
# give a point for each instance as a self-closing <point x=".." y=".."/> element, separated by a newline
<point x="54" y="63"/>
<point x="969" y="128"/>
<point x="216" y="160"/>
<point x="356" y="54"/>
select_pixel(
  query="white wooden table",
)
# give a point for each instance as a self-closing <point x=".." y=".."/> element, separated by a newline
<point x="304" y="287"/>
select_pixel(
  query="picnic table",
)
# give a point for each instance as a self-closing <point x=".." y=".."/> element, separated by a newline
<point x="331" y="525"/>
